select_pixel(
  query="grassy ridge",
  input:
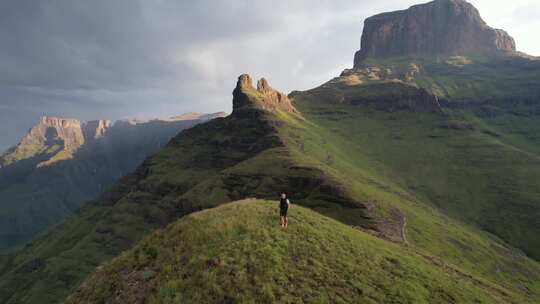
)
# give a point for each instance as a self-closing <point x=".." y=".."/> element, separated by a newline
<point x="447" y="182"/>
<point x="238" y="253"/>
<point x="478" y="163"/>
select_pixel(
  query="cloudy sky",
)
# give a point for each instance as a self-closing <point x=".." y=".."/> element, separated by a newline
<point x="148" y="58"/>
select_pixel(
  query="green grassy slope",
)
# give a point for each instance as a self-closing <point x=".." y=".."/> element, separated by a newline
<point x="480" y="162"/>
<point x="237" y="253"/>
<point x="363" y="149"/>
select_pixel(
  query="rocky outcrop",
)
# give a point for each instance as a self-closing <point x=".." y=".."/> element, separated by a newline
<point x="362" y="75"/>
<point x="52" y="136"/>
<point x="380" y="94"/>
<point x="395" y="96"/>
<point x="96" y="129"/>
<point x="53" y="139"/>
<point x="67" y="131"/>
<point x="264" y="97"/>
<point x="440" y="27"/>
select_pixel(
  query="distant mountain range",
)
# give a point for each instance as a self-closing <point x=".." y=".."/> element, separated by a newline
<point x="61" y="163"/>
<point x="420" y="166"/>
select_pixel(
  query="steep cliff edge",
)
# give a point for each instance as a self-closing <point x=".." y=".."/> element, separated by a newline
<point x="96" y="129"/>
<point x="442" y="48"/>
<point x="440" y="27"/>
<point x="52" y="138"/>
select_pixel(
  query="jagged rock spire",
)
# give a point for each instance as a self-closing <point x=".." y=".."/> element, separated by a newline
<point x="244" y="82"/>
<point x="263" y="86"/>
<point x="264" y="97"/>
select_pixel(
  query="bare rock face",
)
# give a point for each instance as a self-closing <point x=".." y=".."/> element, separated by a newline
<point x="96" y="129"/>
<point x="440" y="27"/>
<point x="52" y="128"/>
<point x="264" y="97"/>
<point x="395" y="96"/>
<point x="56" y="137"/>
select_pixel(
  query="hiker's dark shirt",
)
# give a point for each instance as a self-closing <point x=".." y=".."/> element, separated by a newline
<point x="283" y="205"/>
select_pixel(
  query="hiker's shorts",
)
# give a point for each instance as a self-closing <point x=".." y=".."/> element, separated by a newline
<point x="283" y="211"/>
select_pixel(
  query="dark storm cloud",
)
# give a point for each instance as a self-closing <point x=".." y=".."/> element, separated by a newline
<point x="118" y="44"/>
<point x="147" y="58"/>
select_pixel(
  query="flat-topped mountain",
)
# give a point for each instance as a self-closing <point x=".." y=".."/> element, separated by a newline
<point x="443" y="49"/>
<point x="61" y="163"/>
<point x="440" y="27"/>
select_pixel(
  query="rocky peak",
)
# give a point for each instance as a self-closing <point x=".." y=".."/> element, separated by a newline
<point x="440" y="27"/>
<point x="53" y="137"/>
<point x="68" y="132"/>
<point x="264" y="97"/>
<point x="56" y="122"/>
<point x="244" y="82"/>
<point x="263" y="86"/>
<point x="96" y="129"/>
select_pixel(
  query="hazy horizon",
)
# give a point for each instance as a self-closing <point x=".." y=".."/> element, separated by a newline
<point x="142" y="59"/>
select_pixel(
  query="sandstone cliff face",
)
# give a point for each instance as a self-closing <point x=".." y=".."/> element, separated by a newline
<point x="440" y="27"/>
<point x="52" y="136"/>
<point x="264" y="97"/>
<point x="96" y="129"/>
<point x="67" y="131"/>
<point x="53" y="139"/>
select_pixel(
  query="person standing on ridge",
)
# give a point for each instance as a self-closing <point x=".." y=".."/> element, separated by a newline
<point x="284" y="204"/>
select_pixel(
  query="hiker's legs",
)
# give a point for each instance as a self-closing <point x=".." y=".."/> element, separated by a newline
<point x="286" y="221"/>
<point x="282" y="221"/>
